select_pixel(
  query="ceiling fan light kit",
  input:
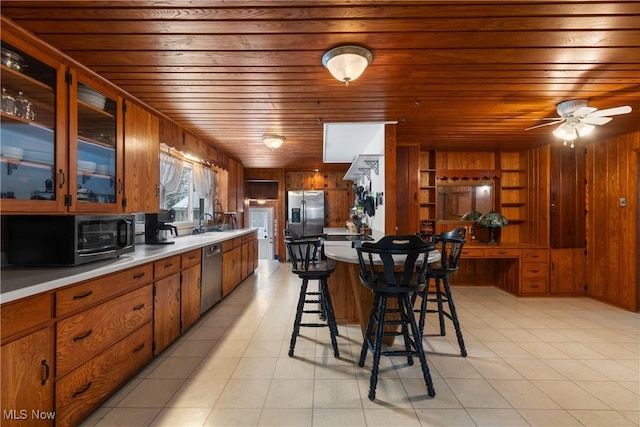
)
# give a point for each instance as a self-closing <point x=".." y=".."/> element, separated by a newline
<point x="347" y="63"/>
<point x="578" y="119"/>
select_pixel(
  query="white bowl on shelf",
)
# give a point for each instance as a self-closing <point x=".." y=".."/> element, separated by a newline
<point x="103" y="169"/>
<point x="85" y="166"/>
<point x="91" y="97"/>
<point x="12" y="152"/>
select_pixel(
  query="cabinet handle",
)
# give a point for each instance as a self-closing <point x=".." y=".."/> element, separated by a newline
<point x="139" y="275"/>
<point x="535" y="271"/>
<point x="83" y="336"/>
<point x="138" y="307"/>
<point x="61" y="178"/>
<point x="535" y="286"/>
<point x="77" y="297"/>
<point x="82" y="390"/>
<point x="192" y="257"/>
<point x="138" y="348"/>
<point x="44" y="372"/>
<point x="120" y="186"/>
<point x="178" y="295"/>
<point x="502" y="252"/>
<point x="534" y="256"/>
<point x="169" y="264"/>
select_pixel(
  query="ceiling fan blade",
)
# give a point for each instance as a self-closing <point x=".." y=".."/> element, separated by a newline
<point x="595" y="120"/>
<point x="546" y="124"/>
<point x="583" y="111"/>
<point x="611" y="111"/>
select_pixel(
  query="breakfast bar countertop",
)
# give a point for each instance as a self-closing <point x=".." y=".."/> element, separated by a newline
<point x="20" y="282"/>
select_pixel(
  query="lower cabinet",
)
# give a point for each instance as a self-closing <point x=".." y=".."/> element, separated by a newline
<point x="27" y="381"/>
<point x="239" y="260"/>
<point x="190" y="297"/>
<point x="79" y="392"/>
<point x="166" y="312"/>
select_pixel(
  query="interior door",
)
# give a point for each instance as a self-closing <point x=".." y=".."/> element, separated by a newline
<point x="262" y="219"/>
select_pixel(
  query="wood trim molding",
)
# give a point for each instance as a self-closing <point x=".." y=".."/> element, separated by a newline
<point x="467" y="174"/>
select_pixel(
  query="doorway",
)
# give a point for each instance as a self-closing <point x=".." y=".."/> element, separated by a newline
<point x="262" y="219"/>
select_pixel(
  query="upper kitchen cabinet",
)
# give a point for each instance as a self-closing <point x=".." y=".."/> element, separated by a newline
<point x="95" y="146"/>
<point x="33" y="161"/>
<point x="142" y="164"/>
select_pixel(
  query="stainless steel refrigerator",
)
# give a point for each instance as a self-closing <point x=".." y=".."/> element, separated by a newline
<point x="305" y="212"/>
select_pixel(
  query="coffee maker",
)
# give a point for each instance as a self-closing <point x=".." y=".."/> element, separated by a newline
<point x="158" y="229"/>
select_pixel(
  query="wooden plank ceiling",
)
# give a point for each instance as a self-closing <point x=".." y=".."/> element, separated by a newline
<point x="454" y="75"/>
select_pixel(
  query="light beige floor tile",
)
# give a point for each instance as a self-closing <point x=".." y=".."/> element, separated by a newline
<point x="193" y="348"/>
<point x="575" y="370"/>
<point x="417" y="392"/>
<point x="634" y="386"/>
<point x="216" y="367"/>
<point x="613" y="351"/>
<point x="578" y="350"/>
<point x="444" y="418"/>
<point x="549" y="418"/>
<point x="613" y="394"/>
<point x="127" y="417"/>
<point x="229" y="348"/>
<point x="395" y="417"/>
<point x="151" y="393"/>
<point x="176" y="367"/>
<point x="521" y="394"/>
<point x="286" y="417"/>
<point x="255" y="368"/>
<point x="95" y="417"/>
<point x="543" y="350"/>
<point x="198" y="392"/>
<point x="494" y="369"/>
<point x="338" y="417"/>
<point x="221" y="417"/>
<point x="243" y="394"/>
<point x="208" y="333"/>
<point x="508" y="350"/>
<point x="290" y="394"/>
<point x="474" y="393"/>
<point x="336" y="393"/>
<point x="634" y="416"/>
<point x="534" y="369"/>
<point x="454" y="367"/>
<point x="592" y="418"/>
<point x="263" y="348"/>
<point x="238" y="332"/>
<point x="496" y="417"/>
<point x="613" y="370"/>
<point x="389" y="393"/>
<point x="183" y="417"/>
<point x="569" y="395"/>
<point x="294" y="368"/>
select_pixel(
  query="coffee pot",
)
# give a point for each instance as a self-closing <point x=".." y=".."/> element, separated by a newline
<point x="158" y="228"/>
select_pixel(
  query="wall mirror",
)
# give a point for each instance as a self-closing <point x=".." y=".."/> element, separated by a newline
<point x="464" y="201"/>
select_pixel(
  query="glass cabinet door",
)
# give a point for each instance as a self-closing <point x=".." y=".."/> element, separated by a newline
<point x="96" y="149"/>
<point x="27" y="130"/>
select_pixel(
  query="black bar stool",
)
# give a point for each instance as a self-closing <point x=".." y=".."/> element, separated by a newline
<point x="450" y="245"/>
<point x="397" y="279"/>
<point x="305" y="255"/>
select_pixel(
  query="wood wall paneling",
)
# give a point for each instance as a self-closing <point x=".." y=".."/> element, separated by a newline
<point x="567" y="192"/>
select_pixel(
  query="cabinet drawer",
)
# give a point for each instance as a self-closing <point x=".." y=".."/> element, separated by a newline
<point x="191" y="258"/>
<point x="82" y="336"/>
<point x="87" y="294"/>
<point x="248" y="237"/>
<point x="502" y="253"/>
<point x="535" y="270"/>
<point x="471" y="252"/>
<point x="230" y="244"/>
<point x="532" y="285"/>
<point x="78" y="393"/>
<point x="18" y="316"/>
<point x="535" y="255"/>
<point x="166" y="267"/>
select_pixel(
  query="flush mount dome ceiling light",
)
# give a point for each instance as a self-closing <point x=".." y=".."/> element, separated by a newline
<point x="273" y="141"/>
<point x="347" y="63"/>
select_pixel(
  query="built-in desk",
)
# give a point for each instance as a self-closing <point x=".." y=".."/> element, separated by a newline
<point x="518" y="268"/>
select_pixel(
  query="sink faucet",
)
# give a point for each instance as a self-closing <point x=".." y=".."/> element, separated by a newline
<point x="200" y="228"/>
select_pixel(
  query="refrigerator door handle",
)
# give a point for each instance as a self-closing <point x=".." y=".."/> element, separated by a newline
<point x="303" y="216"/>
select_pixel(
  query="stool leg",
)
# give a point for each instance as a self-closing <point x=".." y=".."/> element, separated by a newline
<point x="377" y="348"/>
<point x="331" y="318"/>
<point x="296" y="323"/>
<point x="405" y="330"/>
<point x="423" y="308"/>
<point x="417" y="337"/>
<point x="454" y="318"/>
<point x="439" y="300"/>
<point x="366" y="342"/>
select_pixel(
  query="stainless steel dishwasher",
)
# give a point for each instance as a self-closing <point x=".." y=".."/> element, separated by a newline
<point x="211" y="288"/>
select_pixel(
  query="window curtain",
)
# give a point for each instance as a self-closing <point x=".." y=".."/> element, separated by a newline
<point x="170" y="174"/>
<point x="204" y="184"/>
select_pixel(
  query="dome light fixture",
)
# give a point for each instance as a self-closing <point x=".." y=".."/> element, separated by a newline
<point x="347" y="63"/>
<point x="273" y="141"/>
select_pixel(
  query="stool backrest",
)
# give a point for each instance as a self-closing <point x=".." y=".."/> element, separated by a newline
<point x="450" y="244"/>
<point x="303" y="252"/>
<point x="406" y="270"/>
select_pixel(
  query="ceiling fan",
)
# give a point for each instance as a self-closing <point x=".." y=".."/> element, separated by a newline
<point x="578" y="119"/>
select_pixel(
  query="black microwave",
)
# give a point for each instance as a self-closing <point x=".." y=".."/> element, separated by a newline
<point x="45" y="240"/>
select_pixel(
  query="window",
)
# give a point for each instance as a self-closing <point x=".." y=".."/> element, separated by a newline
<point x="186" y="187"/>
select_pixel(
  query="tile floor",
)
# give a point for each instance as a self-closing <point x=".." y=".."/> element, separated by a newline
<point x="532" y="362"/>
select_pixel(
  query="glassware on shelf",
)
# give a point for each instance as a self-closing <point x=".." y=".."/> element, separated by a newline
<point x="8" y="103"/>
<point x="24" y="107"/>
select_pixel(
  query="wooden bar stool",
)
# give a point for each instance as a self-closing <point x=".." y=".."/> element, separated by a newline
<point x="305" y="257"/>
<point x="450" y="246"/>
<point x="392" y="269"/>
